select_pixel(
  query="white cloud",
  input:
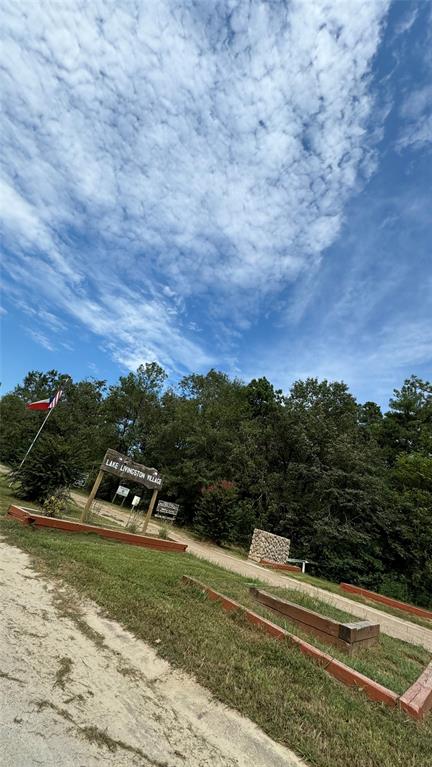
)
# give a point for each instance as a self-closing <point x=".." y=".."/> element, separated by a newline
<point x="40" y="338"/>
<point x="407" y="21"/>
<point x="416" y="111"/>
<point x="376" y="362"/>
<point x="417" y="135"/>
<point x="155" y="152"/>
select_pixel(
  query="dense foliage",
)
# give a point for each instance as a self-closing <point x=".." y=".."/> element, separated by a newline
<point x="351" y="486"/>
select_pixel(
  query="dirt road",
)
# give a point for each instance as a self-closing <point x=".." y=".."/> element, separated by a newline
<point x="79" y="691"/>
<point x="391" y="625"/>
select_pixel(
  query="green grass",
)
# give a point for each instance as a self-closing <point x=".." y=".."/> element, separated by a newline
<point x="321" y="583"/>
<point x="292" y="699"/>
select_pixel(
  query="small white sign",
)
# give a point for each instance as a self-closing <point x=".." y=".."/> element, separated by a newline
<point x="121" y="490"/>
<point x="135" y="500"/>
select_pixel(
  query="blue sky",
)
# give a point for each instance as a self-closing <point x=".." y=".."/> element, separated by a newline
<point x="239" y="185"/>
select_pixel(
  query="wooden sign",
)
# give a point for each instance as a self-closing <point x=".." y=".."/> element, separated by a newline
<point x="167" y="510"/>
<point x="122" y="466"/>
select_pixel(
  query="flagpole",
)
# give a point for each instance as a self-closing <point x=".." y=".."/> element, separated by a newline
<point x="43" y="424"/>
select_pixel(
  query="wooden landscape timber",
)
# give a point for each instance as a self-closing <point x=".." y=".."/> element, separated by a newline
<point x="29" y="517"/>
<point x="280" y="566"/>
<point x="422" y="612"/>
<point x="416" y="701"/>
<point x="349" y="637"/>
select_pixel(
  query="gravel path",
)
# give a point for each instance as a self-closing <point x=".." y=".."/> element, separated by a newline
<point x="391" y="625"/>
<point x="77" y="690"/>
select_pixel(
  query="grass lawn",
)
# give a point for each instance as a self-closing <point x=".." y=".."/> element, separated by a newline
<point x="321" y="583"/>
<point x="292" y="699"/>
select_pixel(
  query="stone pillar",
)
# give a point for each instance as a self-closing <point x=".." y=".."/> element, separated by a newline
<point x="265" y="545"/>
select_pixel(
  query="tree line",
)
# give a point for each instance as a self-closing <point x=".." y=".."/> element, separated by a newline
<point x="351" y="486"/>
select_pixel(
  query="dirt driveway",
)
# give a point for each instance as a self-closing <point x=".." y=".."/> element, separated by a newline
<point x="76" y="690"/>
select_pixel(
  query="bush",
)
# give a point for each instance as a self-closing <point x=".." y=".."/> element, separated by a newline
<point x="216" y="516"/>
<point x="51" y="466"/>
<point x="57" y="503"/>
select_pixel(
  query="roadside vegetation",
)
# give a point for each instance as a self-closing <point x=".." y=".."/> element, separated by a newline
<point x="269" y="681"/>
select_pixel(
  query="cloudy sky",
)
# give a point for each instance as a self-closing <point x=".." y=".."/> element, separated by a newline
<point x="235" y="184"/>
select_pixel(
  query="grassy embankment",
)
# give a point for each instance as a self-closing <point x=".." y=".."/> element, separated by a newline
<point x="293" y="700"/>
<point x="322" y="583"/>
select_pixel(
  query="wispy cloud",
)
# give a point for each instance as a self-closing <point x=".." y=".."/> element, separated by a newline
<point x="41" y="339"/>
<point x="376" y="362"/>
<point x="416" y="111"/>
<point x="407" y="20"/>
<point x="163" y="153"/>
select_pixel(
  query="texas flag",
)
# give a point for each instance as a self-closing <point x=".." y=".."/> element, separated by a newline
<point x="45" y="404"/>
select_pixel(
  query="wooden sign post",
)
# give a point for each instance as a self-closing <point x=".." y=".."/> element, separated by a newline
<point x="91" y="497"/>
<point x="122" y="466"/>
<point x="149" y="511"/>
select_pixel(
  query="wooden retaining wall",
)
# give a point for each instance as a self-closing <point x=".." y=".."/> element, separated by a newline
<point x="280" y="566"/>
<point x="28" y="517"/>
<point x="389" y="601"/>
<point x="348" y="637"/>
<point x="416" y="701"/>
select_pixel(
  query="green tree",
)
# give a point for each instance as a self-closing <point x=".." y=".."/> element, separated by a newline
<point x="216" y="512"/>
<point x="409" y="543"/>
<point x="51" y="466"/>
<point x="133" y="408"/>
<point x="407" y="427"/>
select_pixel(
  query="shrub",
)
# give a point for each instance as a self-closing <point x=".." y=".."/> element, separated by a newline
<point x="216" y="516"/>
<point x="57" y="503"/>
<point x="51" y="466"/>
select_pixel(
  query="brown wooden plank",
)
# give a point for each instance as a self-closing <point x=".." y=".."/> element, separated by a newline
<point x="372" y="595"/>
<point x="335" y="668"/>
<point x="72" y="526"/>
<point x="296" y="613"/>
<point x="280" y="566"/>
<point x="326" y="629"/>
<point x="356" y="632"/>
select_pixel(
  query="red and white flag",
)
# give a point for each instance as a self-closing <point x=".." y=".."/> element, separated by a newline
<point x="46" y="404"/>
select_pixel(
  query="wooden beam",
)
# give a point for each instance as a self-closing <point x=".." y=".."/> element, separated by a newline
<point x="149" y="511"/>
<point x="348" y="637"/>
<point x="91" y="497"/>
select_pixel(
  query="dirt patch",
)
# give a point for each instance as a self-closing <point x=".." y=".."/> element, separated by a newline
<point x="89" y="693"/>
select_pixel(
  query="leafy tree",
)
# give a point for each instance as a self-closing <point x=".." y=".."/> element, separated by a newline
<point x="52" y="465"/>
<point x="407" y="427"/>
<point x="17" y="429"/>
<point x="133" y="408"/>
<point x="216" y="516"/>
<point x="409" y="545"/>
